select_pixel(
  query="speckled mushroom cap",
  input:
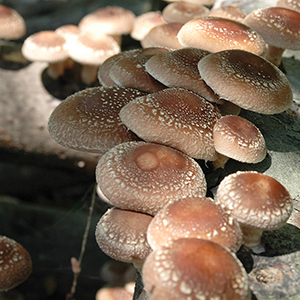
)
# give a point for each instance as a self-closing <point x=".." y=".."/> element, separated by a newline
<point x="12" y="24"/>
<point x="198" y="217"/>
<point x="46" y="46"/>
<point x="121" y="234"/>
<point x="247" y="80"/>
<point x="239" y="139"/>
<point x="191" y="268"/>
<point x="255" y="199"/>
<point x="229" y="12"/>
<point x="175" y="117"/>
<point x="129" y="70"/>
<point x="279" y="26"/>
<point x="15" y="263"/>
<point x="89" y="119"/>
<point x="111" y="20"/>
<point x="179" y="68"/>
<point x="216" y="34"/>
<point x="183" y="12"/>
<point x="144" y="177"/>
<point x="290" y="4"/>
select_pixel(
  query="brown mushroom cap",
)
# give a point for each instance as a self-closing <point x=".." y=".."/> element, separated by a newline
<point x="144" y="177"/>
<point x="179" y="68"/>
<point x="191" y="268"/>
<point x="89" y="119"/>
<point x="255" y="200"/>
<point x="12" y="24"/>
<point x="110" y="20"/>
<point x="228" y="12"/>
<point x="247" y="80"/>
<point x="198" y="217"/>
<point x="216" y="34"/>
<point x="175" y="117"/>
<point x="290" y="4"/>
<point x="121" y="234"/>
<point x="15" y="263"/>
<point x="239" y="139"/>
<point x="183" y="12"/>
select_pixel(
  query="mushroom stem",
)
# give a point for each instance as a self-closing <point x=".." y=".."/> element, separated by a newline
<point x="89" y="73"/>
<point x="274" y="55"/>
<point x="251" y="236"/>
<point x="55" y="70"/>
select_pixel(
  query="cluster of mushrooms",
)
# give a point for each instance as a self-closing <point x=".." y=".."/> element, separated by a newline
<point x="159" y="111"/>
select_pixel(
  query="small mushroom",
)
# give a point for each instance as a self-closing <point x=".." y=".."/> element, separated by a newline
<point x="113" y="293"/>
<point x="280" y="28"/>
<point x="88" y="120"/>
<point x="236" y="137"/>
<point x="194" y="217"/>
<point x="144" y="177"/>
<point x="121" y="234"/>
<point x="248" y="80"/>
<point x="191" y="268"/>
<point x="257" y="201"/>
<point x="15" y="263"/>
<point x="217" y="34"/>
<point x="174" y="117"/>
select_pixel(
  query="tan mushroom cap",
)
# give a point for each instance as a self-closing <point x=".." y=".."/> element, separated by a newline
<point x="121" y="234"/>
<point x="247" y="80"/>
<point x="229" y="12"/>
<point x="144" y="177"/>
<point x="69" y="32"/>
<point x="12" y="24"/>
<point x="174" y="117"/>
<point x="290" y="4"/>
<point x="183" y="12"/>
<point x="143" y="23"/>
<point x="129" y="70"/>
<point x="113" y="293"/>
<point x="197" y="217"/>
<point x="110" y="20"/>
<point x="191" y="268"/>
<point x="15" y="263"/>
<point x="89" y="119"/>
<point x="216" y="34"/>
<point x="179" y="68"/>
<point x="256" y="201"/>
<point x="202" y="2"/>
<point x="239" y="139"/>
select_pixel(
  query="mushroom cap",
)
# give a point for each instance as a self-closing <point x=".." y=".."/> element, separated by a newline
<point x="93" y="50"/>
<point x="129" y="71"/>
<point x="164" y="35"/>
<point x="183" y="12"/>
<point x="15" y="263"/>
<point x="191" y="268"/>
<point x="174" y="117"/>
<point x="279" y="26"/>
<point x="229" y="12"/>
<point x="121" y="234"/>
<point x="12" y="24"/>
<point x="247" y="80"/>
<point x="194" y="217"/>
<point x="47" y="46"/>
<point x="202" y="2"/>
<point x="290" y="4"/>
<point x="255" y="200"/>
<point x="113" y="293"/>
<point x="69" y="32"/>
<point x="239" y="139"/>
<point x="217" y="34"/>
<point x="179" y="68"/>
<point x="110" y="20"/>
<point x="89" y="119"/>
<point x="143" y="23"/>
<point x="144" y="177"/>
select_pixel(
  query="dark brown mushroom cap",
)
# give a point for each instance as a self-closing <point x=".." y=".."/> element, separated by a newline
<point x="279" y="26"/>
<point x="255" y="199"/>
<point x="15" y="263"/>
<point x="12" y="24"/>
<point x="129" y="71"/>
<point x="175" y="117"/>
<point x="144" y="177"/>
<point x="191" y="268"/>
<point x="217" y="34"/>
<point x="247" y="80"/>
<point x="179" y="68"/>
<point x="197" y="217"/>
<point x="239" y="139"/>
<point x="89" y="119"/>
<point x="121" y="234"/>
